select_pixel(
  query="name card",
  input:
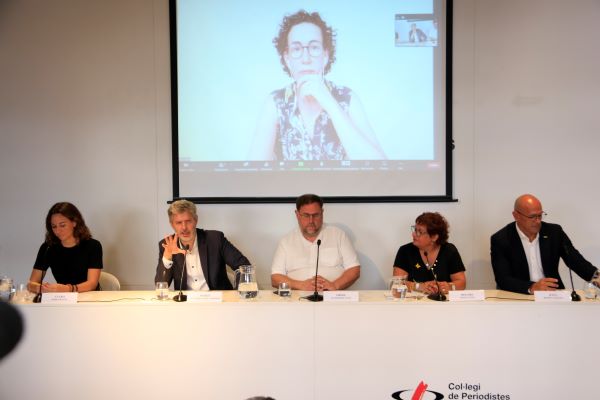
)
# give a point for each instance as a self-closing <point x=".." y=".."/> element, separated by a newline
<point x="552" y="296"/>
<point x="340" y="296"/>
<point x="466" y="295"/>
<point x="59" y="298"/>
<point x="205" y="296"/>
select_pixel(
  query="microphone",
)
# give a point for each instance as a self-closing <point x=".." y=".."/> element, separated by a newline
<point x="439" y="296"/>
<point x="316" y="296"/>
<point x="574" y="295"/>
<point x="182" y="297"/>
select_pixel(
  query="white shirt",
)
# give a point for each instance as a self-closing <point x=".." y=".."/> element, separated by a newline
<point x="195" y="276"/>
<point x="534" y="258"/>
<point x="296" y="257"/>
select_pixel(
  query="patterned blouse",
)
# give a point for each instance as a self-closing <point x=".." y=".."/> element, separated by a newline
<point x="294" y="142"/>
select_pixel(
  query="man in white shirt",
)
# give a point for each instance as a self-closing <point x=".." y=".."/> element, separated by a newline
<point x="296" y="255"/>
<point x="525" y="254"/>
<point x="190" y="247"/>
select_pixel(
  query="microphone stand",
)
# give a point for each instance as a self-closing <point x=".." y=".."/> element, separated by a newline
<point x="316" y="296"/>
<point x="182" y="297"/>
<point x="38" y="296"/>
<point x="439" y="296"/>
<point x="574" y="295"/>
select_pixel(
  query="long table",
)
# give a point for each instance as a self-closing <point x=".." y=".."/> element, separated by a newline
<point x="113" y="345"/>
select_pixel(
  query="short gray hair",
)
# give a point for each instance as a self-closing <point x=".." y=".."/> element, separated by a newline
<point x="181" y="206"/>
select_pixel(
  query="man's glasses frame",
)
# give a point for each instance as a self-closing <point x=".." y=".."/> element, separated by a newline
<point x="539" y="216"/>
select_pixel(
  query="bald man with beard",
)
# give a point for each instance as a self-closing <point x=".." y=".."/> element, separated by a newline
<point x="525" y="253"/>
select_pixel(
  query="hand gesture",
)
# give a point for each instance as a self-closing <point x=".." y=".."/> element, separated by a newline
<point x="312" y="86"/>
<point x="170" y="246"/>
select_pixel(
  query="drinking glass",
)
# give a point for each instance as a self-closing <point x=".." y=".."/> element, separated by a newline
<point x="22" y="294"/>
<point x="6" y="288"/>
<point x="162" y="290"/>
<point x="590" y="291"/>
<point x="596" y="279"/>
<point x="417" y="291"/>
<point x="451" y="287"/>
<point x="398" y="287"/>
<point x="284" y="290"/>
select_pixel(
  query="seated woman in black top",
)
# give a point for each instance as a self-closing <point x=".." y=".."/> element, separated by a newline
<point x="430" y="250"/>
<point x="69" y="250"/>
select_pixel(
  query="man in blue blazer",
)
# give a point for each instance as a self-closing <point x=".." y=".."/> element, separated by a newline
<point x="525" y="253"/>
<point x="203" y="252"/>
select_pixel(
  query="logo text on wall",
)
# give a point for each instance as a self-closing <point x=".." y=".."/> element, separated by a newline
<point x="456" y="391"/>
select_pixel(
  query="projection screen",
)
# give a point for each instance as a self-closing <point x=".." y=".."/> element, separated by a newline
<point x="349" y="100"/>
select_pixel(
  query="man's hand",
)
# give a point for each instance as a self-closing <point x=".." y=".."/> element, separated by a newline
<point x="545" y="284"/>
<point x="324" y="284"/>
<point x="171" y="248"/>
<point x="308" y="285"/>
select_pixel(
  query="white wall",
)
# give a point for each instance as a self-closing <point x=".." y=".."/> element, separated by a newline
<point x="85" y="117"/>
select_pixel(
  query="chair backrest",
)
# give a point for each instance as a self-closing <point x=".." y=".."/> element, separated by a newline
<point x="108" y="281"/>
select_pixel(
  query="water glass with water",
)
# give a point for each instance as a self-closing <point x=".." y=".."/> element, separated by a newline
<point x="162" y="290"/>
<point x="418" y="290"/>
<point x="398" y="287"/>
<point x="284" y="290"/>
<point x="590" y="291"/>
<point x="22" y="295"/>
<point x="6" y="288"/>
<point x="591" y="288"/>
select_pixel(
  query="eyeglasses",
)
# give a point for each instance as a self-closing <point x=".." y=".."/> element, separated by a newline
<point x="309" y="216"/>
<point x="540" y="216"/>
<point x="418" y="233"/>
<point x="314" y="48"/>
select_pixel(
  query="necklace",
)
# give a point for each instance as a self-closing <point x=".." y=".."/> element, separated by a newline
<point x="426" y="255"/>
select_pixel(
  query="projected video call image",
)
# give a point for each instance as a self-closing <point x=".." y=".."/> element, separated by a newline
<point x="312" y="118"/>
<point x="416" y="30"/>
<point x="298" y="86"/>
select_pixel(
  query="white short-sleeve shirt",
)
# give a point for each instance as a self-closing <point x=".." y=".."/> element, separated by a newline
<point x="296" y="257"/>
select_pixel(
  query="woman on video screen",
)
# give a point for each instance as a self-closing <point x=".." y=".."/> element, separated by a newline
<point x="312" y="118"/>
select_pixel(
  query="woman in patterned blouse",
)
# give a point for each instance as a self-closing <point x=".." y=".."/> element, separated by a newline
<point x="312" y="118"/>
